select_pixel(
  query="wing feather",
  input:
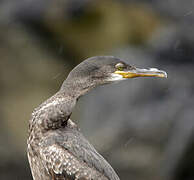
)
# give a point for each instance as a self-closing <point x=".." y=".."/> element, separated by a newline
<point x="63" y="165"/>
<point x="67" y="153"/>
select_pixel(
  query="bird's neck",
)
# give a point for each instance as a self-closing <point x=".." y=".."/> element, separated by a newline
<point x="55" y="112"/>
<point x="77" y="88"/>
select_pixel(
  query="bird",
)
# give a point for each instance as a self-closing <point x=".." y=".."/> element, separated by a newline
<point x="56" y="148"/>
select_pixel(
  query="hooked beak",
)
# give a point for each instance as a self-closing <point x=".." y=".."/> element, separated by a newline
<point x="137" y="72"/>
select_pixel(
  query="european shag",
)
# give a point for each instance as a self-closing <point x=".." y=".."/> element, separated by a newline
<point x="56" y="148"/>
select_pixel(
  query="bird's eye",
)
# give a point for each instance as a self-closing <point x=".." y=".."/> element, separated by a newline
<point x="120" y="66"/>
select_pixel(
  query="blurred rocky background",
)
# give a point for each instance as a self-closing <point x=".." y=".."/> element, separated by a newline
<point x="143" y="127"/>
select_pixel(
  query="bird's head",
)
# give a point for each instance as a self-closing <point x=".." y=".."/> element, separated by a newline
<point x="101" y="70"/>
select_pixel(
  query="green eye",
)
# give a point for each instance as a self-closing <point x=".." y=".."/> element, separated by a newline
<point x="120" y="66"/>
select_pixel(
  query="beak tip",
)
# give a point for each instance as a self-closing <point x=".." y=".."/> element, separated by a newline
<point x="164" y="74"/>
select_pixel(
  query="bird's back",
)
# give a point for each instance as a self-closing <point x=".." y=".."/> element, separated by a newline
<point x="66" y="155"/>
